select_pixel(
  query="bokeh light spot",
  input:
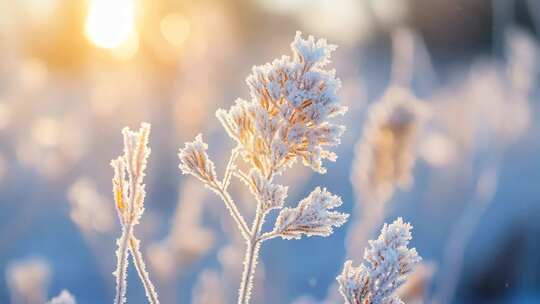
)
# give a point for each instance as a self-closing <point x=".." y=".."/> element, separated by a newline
<point x="110" y="23"/>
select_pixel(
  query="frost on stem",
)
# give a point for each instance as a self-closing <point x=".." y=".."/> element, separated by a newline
<point x="63" y="298"/>
<point x="129" y="193"/>
<point x="385" y="155"/>
<point x="387" y="262"/>
<point x="311" y="217"/>
<point x="287" y="117"/>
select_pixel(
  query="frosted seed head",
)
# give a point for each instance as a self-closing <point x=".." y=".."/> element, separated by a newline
<point x="312" y="216"/>
<point x="195" y="161"/>
<point x="387" y="261"/>
<point x="287" y="117"/>
<point x="131" y="167"/>
<point x="353" y="283"/>
<point x="269" y="196"/>
<point x="312" y="52"/>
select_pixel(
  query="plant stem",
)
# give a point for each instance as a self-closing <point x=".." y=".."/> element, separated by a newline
<point x="141" y="269"/>
<point x="127" y="232"/>
<point x="121" y="270"/>
<point x="226" y="197"/>
<point x="250" y="260"/>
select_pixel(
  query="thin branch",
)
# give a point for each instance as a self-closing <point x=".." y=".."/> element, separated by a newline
<point x="122" y="253"/>
<point x="267" y="236"/>
<point x="230" y="168"/>
<point x="229" y="203"/>
<point x="134" y="247"/>
<point x="251" y="257"/>
<point x="121" y="270"/>
<point x="241" y="175"/>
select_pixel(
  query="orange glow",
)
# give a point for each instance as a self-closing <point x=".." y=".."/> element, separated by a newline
<point x="175" y="28"/>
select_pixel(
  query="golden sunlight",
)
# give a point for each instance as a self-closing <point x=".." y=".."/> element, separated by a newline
<point x="175" y="28"/>
<point x="110" y="23"/>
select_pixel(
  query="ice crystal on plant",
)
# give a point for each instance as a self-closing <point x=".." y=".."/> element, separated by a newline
<point x="129" y="194"/>
<point x="312" y="216"/>
<point x="63" y="298"/>
<point x="195" y="161"/>
<point x="287" y="117"/>
<point x="387" y="262"/>
<point x="270" y="196"/>
<point x="418" y="282"/>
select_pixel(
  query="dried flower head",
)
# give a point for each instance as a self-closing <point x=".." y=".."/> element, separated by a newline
<point x="292" y="100"/>
<point x="385" y="154"/>
<point x="195" y="161"/>
<point x="63" y="298"/>
<point x="311" y="216"/>
<point x="129" y="194"/>
<point x="387" y="262"/>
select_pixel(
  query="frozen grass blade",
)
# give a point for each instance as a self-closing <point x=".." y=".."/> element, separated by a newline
<point x="129" y="197"/>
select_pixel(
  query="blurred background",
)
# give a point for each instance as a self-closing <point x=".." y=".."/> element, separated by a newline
<point x="74" y="72"/>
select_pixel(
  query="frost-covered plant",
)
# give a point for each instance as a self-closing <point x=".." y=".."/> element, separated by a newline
<point x="129" y="194"/>
<point x="63" y="298"/>
<point x="387" y="262"/>
<point x="385" y="155"/>
<point x="418" y="283"/>
<point x="287" y="118"/>
<point x="384" y="160"/>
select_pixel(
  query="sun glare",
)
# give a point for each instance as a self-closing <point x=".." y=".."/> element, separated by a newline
<point x="175" y="28"/>
<point x="110" y="23"/>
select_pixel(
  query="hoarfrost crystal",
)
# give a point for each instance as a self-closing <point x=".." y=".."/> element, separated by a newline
<point x="292" y="100"/>
<point x="195" y="161"/>
<point x="387" y="262"/>
<point x="311" y="216"/>
<point x="129" y="194"/>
